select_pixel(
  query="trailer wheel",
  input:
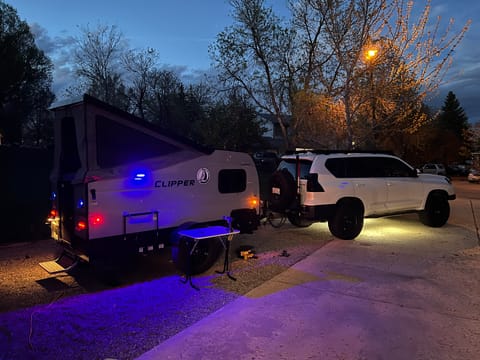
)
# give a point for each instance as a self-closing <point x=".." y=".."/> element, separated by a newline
<point x="202" y="258"/>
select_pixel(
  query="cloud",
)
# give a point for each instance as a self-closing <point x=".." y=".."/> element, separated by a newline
<point x="463" y="77"/>
<point x="59" y="49"/>
<point x="48" y="44"/>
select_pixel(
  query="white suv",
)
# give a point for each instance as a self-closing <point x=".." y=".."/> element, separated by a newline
<point x="344" y="187"/>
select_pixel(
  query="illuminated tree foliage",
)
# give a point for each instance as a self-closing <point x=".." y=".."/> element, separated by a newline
<point x="319" y="121"/>
<point x="322" y="54"/>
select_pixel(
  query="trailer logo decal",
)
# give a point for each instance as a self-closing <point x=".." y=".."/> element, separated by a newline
<point x="174" y="183"/>
<point x="203" y="175"/>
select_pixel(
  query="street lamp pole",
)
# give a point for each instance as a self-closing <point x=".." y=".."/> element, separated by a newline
<point x="370" y="56"/>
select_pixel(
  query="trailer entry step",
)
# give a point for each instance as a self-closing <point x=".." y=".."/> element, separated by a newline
<point x="63" y="263"/>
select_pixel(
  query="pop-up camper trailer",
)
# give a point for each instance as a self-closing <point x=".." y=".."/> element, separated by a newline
<point x="122" y="186"/>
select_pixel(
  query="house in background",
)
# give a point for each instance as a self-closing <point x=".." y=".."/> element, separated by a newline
<point x="273" y="136"/>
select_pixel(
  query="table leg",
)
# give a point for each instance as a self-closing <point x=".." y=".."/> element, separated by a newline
<point x="188" y="271"/>
<point x="226" y="263"/>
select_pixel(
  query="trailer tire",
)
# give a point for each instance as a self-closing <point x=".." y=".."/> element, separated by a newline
<point x="203" y="257"/>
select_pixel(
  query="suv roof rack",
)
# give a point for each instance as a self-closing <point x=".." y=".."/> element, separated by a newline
<point x="328" y="152"/>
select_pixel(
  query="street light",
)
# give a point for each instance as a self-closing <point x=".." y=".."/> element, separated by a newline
<point x="370" y="55"/>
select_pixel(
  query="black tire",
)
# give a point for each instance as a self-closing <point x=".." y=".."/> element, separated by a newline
<point x="285" y="190"/>
<point x="203" y="256"/>
<point x="347" y="222"/>
<point x="436" y="212"/>
<point x="297" y="220"/>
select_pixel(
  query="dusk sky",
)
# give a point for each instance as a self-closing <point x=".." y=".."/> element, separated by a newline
<point x="182" y="30"/>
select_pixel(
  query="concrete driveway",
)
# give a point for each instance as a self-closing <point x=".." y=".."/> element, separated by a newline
<point x="399" y="291"/>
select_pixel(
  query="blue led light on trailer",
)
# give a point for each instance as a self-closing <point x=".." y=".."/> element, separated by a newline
<point x="140" y="176"/>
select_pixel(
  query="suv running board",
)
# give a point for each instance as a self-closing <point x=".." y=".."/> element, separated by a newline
<point x="64" y="263"/>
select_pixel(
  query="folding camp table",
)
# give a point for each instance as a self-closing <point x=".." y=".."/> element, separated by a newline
<point x="223" y="233"/>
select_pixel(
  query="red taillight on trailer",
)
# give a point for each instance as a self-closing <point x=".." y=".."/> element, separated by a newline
<point x="81" y="225"/>
<point x="52" y="215"/>
<point x="96" y="220"/>
<point x="93" y="220"/>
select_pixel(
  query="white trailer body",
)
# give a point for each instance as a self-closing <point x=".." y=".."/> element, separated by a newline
<point x="121" y="185"/>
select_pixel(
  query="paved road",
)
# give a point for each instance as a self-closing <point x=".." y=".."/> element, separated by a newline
<point x="399" y="291"/>
<point x="467" y="190"/>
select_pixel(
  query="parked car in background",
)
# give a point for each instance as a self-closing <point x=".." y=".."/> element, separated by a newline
<point x="457" y="170"/>
<point x="474" y="176"/>
<point x="431" y="168"/>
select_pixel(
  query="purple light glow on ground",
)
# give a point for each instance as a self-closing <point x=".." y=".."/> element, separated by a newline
<point x="143" y="315"/>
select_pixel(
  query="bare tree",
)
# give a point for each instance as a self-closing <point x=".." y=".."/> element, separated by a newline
<point x="322" y="54"/>
<point x="141" y="68"/>
<point x="251" y="55"/>
<point x="98" y="61"/>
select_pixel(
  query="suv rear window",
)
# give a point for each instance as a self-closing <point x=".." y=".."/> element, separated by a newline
<point x="291" y="166"/>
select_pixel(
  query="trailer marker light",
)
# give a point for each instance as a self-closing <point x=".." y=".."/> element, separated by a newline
<point x="81" y="225"/>
<point x="96" y="220"/>
<point x="253" y="201"/>
<point x="52" y="214"/>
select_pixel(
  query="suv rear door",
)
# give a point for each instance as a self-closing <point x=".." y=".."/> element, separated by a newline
<point x="367" y="177"/>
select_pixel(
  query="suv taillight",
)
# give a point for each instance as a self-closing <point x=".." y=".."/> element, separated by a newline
<point x="312" y="183"/>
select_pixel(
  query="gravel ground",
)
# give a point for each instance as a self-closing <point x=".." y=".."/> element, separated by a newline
<point x="76" y="316"/>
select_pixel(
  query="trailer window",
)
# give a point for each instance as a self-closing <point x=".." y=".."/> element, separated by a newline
<point x="232" y="181"/>
<point x="118" y="144"/>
